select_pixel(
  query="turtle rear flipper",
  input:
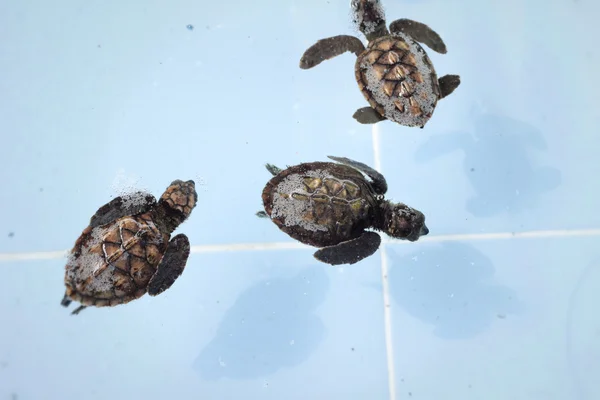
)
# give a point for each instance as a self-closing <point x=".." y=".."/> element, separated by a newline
<point x="272" y="169"/>
<point x="419" y="32"/>
<point x="78" y="310"/>
<point x="447" y="84"/>
<point x="368" y="115"/>
<point x="378" y="180"/>
<point x="328" y="48"/>
<point x="66" y="302"/>
<point x="171" y="266"/>
<point x="262" y="214"/>
<point x="351" y="251"/>
<point x="118" y="207"/>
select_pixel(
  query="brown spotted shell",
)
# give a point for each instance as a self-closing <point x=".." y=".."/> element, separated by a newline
<point x="398" y="80"/>
<point x="112" y="264"/>
<point x="320" y="203"/>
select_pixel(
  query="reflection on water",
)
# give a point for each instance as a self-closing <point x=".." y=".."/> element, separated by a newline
<point x="450" y="286"/>
<point x="272" y="325"/>
<point x="498" y="163"/>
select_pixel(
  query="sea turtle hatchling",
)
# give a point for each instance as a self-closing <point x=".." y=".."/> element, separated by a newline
<point x="330" y="206"/>
<point x="125" y="250"/>
<point x="393" y="72"/>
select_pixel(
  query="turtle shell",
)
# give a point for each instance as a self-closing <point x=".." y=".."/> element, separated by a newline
<point x="398" y="79"/>
<point x="320" y="203"/>
<point x="113" y="263"/>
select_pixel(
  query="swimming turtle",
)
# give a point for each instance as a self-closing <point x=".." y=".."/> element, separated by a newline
<point x="125" y="250"/>
<point x="393" y="72"/>
<point x="330" y="206"/>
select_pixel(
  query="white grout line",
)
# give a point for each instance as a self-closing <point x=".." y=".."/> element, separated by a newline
<point x="40" y="255"/>
<point x="219" y="248"/>
<point x="387" y="314"/>
<point x="387" y="319"/>
<point x="232" y="247"/>
<point x="507" y="235"/>
<point x="215" y="248"/>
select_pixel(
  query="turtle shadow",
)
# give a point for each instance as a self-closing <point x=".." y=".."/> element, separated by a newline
<point x="451" y="287"/>
<point x="583" y="333"/>
<point x="499" y="164"/>
<point x="272" y="325"/>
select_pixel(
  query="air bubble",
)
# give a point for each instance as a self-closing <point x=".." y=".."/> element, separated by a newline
<point x="128" y="188"/>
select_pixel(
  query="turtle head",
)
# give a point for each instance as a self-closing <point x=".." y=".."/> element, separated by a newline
<point x="177" y="202"/>
<point x="368" y="16"/>
<point x="403" y="222"/>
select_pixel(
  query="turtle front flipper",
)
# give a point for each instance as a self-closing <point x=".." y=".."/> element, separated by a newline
<point x="118" y="207"/>
<point x="419" y="32"/>
<point x="447" y="84"/>
<point x="273" y="169"/>
<point x="368" y="115"/>
<point x="351" y="251"/>
<point x="171" y="266"/>
<point x="378" y="180"/>
<point x="328" y="48"/>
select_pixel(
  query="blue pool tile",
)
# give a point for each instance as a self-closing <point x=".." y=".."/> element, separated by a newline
<point x="474" y="318"/>
<point x="507" y="151"/>
<point x="490" y="178"/>
<point x="266" y="325"/>
<point x="111" y="111"/>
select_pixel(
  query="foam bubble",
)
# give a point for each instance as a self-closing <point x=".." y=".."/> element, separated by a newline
<point x="89" y="261"/>
<point x="128" y="188"/>
<point x="134" y="199"/>
<point x="292" y="211"/>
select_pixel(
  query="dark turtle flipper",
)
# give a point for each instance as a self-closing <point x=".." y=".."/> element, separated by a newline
<point x="78" y="310"/>
<point x="419" y="32"/>
<point x="262" y="214"/>
<point x="351" y="251"/>
<point x="118" y="207"/>
<point x="368" y="115"/>
<point x="379" y="183"/>
<point x="328" y="48"/>
<point x="447" y="84"/>
<point x="171" y="266"/>
<point x="273" y="169"/>
<point x="66" y="301"/>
